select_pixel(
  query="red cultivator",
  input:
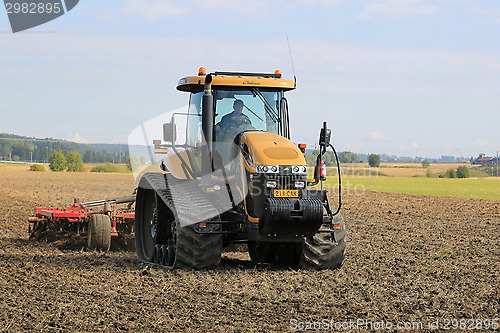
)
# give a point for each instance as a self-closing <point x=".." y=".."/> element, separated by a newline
<point x="100" y="220"/>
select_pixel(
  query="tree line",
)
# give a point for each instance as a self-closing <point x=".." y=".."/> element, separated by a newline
<point x="329" y="158"/>
<point x="20" y="148"/>
<point x="72" y="162"/>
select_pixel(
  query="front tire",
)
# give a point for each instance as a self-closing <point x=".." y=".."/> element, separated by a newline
<point x="324" y="250"/>
<point x="318" y="252"/>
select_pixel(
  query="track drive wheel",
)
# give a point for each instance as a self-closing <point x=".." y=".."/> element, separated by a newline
<point x="99" y="232"/>
<point x="261" y="252"/>
<point x="323" y="250"/>
<point x="160" y="239"/>
<point x="282" y="254"/>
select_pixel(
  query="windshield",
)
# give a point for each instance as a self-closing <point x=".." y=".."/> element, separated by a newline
<point x="237" y="111"/>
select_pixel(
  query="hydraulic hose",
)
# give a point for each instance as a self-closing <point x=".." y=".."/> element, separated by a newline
<point x="322" y="151"/>
<point x="340" y="178"/>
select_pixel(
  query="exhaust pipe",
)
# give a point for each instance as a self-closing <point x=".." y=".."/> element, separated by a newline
<point x="207" y="126"/>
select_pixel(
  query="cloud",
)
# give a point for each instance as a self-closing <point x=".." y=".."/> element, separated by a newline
<point x="484" y="11"/>
<point x="232" y="10"/>
<point x="77" y="138"/>
<point x="481" y="143"/>
<point x="107" y="18"/>
<point x="376" y="136"/>
<point x="350" y="146"/>
<point x="491" y="15"/>
<point x="396" y="9"/>
<point x="313" y="3"/>
<point x="153" y="10"/>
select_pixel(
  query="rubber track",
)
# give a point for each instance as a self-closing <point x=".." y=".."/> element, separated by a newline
<point x="193" y="251"/>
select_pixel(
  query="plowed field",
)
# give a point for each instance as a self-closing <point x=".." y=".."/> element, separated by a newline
<point x="410" y="259"/>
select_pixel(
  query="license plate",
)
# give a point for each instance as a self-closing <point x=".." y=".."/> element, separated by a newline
<point x="286" y="193"/>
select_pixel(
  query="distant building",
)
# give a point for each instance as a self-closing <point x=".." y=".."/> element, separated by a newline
<point x="493" y="162"/>
<point x="484" y="160"/>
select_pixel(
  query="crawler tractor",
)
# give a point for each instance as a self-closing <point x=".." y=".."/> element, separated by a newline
<point x="234" y="176"/>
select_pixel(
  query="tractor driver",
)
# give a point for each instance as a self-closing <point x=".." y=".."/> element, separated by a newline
<point x="233" y="123"/>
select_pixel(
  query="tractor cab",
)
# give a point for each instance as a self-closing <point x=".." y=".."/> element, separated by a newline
<point x="239" y="102"/>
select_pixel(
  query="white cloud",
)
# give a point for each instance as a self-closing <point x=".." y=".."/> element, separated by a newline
<point x="77" y="138"/>
<point x="491" y="15"/>
<point x="343" y="145"/>
<point x="396" y="9"/>
<point x="376" y="136"/>
<point x="107" y="18"/>
<point x="484" y="11"/>
<point x="229" y="5"/>
<point x="481" y="143"/>
<point x="313" y="3"/>
<point x="232" y="10"/>
<point x="153" y="10"/>
<point x="396" y="70"/>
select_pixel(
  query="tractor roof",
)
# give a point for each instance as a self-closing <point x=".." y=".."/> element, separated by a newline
<point x="236" y="80"/>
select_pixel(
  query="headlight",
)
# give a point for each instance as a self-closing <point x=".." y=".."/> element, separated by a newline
<point x="300" y="184"/>
<point x="268" y="168"/>
<point x="299" y="169"/>
<point x="271" y="183"/>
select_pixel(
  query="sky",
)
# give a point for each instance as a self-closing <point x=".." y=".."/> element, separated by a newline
<point x="401" y="77"/>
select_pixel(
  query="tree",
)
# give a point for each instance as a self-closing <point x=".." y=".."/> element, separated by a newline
<point x="128" y="161"/>
<point x="57" y="161"/>
<point x="75" y="163"/>
<point x="463" y="172"/>
<point x="374" y="160"/>
<point x="349" y="157"/>
<point x="450" y="173"/>
<point x="425" y="164"/>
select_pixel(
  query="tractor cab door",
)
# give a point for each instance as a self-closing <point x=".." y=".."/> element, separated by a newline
<point x="194" y="135"/>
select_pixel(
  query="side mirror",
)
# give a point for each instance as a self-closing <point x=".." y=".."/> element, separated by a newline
<point x="324" y="135"/>
<point x="169" y="132"/>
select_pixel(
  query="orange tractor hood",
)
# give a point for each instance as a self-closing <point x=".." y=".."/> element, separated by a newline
<point x="266" y="148"/>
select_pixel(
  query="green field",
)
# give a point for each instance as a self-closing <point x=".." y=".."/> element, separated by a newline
<point x="478" y="188"/>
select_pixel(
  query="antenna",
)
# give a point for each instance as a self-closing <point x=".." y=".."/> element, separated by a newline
<point x="291" y="59"/>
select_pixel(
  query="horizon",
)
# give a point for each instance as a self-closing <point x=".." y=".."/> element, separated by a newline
<point x="309" y="148"/>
